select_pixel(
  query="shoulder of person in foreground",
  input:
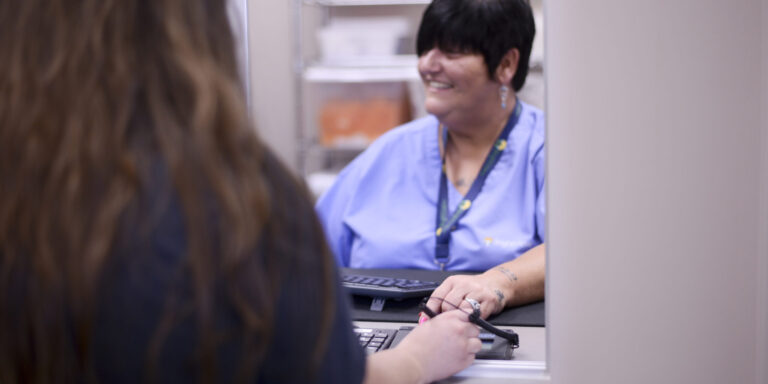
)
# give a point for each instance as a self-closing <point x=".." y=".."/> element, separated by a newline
<point x="297" y="282"/>
<point x="336" y="357"/>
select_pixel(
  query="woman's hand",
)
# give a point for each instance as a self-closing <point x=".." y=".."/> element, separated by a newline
<point x="515" y="282"/>
<point x="432" y="351"/>
<point x="486" y="289"/>
<point x="442" y="346"/>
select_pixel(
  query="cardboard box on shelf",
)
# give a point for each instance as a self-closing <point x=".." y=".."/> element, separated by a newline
<point x="356" y="123"/>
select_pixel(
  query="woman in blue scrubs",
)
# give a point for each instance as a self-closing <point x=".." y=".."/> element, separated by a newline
<point x="463" y="188"/>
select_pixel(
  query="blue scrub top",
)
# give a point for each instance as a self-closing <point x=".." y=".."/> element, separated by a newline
<point x="380" y="212"/>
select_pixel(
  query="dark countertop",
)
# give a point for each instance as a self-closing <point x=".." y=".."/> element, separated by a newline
<point x="407" y="310"/>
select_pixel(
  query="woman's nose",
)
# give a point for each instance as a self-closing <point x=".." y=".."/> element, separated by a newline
<point x="429" y="62"/>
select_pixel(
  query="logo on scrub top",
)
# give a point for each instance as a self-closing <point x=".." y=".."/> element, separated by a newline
<point x="490" y="241"/>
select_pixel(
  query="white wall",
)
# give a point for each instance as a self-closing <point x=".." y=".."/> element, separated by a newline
<point x="762" y="333"/>
<point x="656" y="219"/>
<point x="271" y="37"/>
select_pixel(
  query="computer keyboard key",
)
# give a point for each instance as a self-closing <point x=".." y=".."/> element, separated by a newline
<point x="386" y="287"/>
<point x="370" y="350"/>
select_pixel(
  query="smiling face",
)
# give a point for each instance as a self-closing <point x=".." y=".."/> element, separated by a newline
<point x="457" y="86"/>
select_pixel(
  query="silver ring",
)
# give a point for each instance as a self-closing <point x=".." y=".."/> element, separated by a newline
<point x="475" y="305"/>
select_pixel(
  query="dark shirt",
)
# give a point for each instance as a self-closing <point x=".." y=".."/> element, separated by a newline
<point x="146" y="268"/>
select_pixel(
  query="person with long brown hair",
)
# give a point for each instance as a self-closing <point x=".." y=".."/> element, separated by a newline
<point x="146" y="233"/>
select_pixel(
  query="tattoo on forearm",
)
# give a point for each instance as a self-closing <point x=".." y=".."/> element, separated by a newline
<point x="509" y="274"/>
<point x="500" y="296"/>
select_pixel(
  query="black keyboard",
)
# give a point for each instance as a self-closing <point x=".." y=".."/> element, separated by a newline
<point x="373" y="340"/>
<point x="386" y="287"/>
<point x="379" y="339"/>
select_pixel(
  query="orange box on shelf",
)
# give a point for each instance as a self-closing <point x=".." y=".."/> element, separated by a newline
<point x="355" y="124"/>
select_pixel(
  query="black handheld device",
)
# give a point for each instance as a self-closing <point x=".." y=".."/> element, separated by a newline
<point x="474" y="317"/>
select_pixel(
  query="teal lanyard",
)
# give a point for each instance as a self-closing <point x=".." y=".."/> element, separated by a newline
<point x="446" y="223"/>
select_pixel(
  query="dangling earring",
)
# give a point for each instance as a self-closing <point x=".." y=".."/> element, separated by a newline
<point x="504" y="93"/>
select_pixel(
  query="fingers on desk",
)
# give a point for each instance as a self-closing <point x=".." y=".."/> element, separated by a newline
<point x="454" y="292"/>
<point x="438" y="295"/>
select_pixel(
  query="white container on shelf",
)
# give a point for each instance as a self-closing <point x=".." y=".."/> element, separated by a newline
<point x="319" y="182"/>
<point x="351" y="38"/>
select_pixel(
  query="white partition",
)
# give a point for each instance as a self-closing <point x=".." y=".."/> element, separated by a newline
<point x="657" y="188"/>
<point x="272" y="75"/>
<point x="762" y="355"/>
<point x="763" y="326"/>
<point x="238" y="16"/>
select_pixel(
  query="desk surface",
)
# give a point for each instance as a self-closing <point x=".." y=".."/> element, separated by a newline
<point x="528" y="362"/>
<point x="531" y="315"/>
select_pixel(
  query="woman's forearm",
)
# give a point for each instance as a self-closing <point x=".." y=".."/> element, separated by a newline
<point x="521" y="280"/>
<point x="392" y="366"/>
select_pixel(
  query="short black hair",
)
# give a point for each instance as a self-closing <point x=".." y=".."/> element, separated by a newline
<point x="486" y="27"/>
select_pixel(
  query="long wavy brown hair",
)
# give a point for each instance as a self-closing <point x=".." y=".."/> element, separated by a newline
<point x="92" y="93"/>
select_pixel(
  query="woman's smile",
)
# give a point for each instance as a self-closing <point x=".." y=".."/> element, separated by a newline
<point x="438" y="85"/>
<point x="457" y="85"/>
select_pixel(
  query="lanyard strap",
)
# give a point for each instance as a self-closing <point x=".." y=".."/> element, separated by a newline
<point x="446" y="223"/>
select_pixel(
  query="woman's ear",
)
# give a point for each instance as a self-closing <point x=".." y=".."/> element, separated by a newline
<point x="508" y="66"/>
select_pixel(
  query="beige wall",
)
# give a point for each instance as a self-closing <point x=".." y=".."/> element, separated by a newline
<point x="272" y="77"/>
<point x="656" y="215"/>
<point x="762" y="333"/>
